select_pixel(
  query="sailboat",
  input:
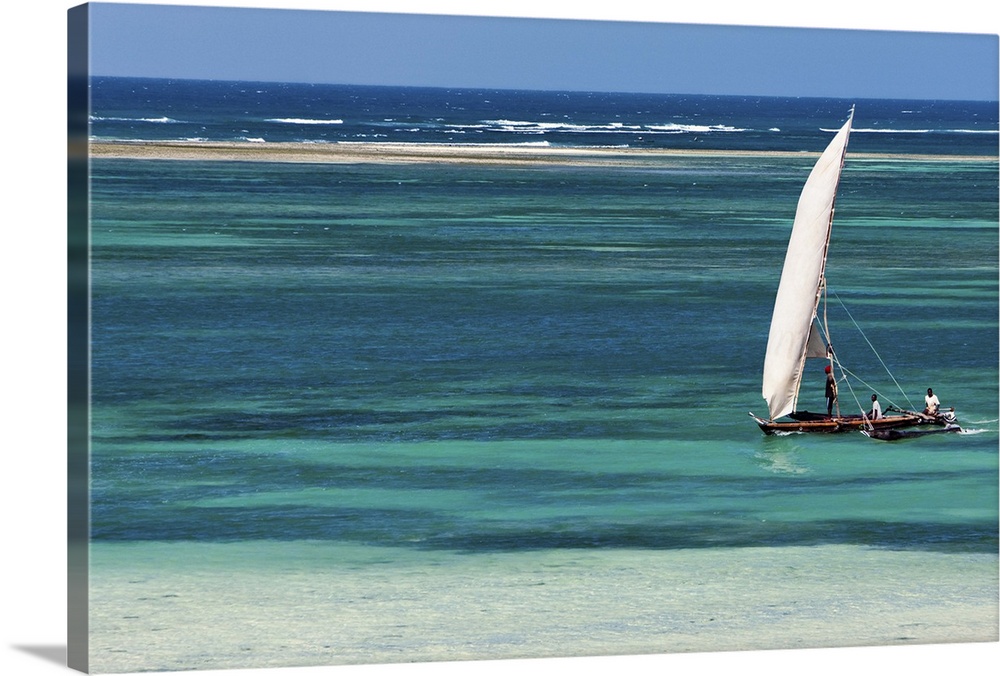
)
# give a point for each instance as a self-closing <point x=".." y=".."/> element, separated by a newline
<point x="796" y="332"/>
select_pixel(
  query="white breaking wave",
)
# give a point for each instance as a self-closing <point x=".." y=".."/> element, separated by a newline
<point x="695" y="128"/>
<point x="300" y="120"/>
<point x="151" y="120"/>
<point x="517" y="144"/>
<point x="917" y="131"/>
<point x="530" y="127"/>
<point x="889" y="131"/>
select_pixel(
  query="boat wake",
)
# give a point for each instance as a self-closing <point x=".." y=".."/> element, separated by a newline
<point x="979" y="426"/>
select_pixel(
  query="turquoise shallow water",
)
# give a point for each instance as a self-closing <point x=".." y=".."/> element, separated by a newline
<point x="509" y="358"/>
<point x="177" y="606"/>
<point x="450" y="370"/>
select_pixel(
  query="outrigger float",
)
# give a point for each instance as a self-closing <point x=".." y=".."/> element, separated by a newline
<point x="796" y="332"/>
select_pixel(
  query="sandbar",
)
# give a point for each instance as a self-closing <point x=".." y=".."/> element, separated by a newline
<point x="417" y="153"/>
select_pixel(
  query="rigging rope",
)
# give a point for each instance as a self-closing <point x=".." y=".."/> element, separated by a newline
<point x="850" y="373"/>
<point x="847" y="372"/>
<point x="901" y="391"/>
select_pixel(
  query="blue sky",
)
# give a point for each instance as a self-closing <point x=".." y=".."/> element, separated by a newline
<point x="569" y="54"/>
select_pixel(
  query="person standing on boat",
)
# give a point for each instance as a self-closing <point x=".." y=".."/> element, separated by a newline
<point x="831" y="390"/>
<point x="931" y="402"/>
<point x="876" y="411"/>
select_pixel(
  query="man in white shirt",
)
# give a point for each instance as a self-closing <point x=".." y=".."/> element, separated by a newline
<point x="932" y="403"/>
<point x="876" y="411"/>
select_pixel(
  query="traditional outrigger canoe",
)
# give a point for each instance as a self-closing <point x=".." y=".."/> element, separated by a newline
<point x="886" y="427"/>
<point x="796" y="332"/>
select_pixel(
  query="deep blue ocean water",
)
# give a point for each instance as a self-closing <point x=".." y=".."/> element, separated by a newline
<point x="135" y="108"/>
<point x="536" y="358"/>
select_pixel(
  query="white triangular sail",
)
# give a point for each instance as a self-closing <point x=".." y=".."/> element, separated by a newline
<point x="794" y="334"/>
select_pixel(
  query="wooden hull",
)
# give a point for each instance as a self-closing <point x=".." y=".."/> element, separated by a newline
<point x="844" y="423"/>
